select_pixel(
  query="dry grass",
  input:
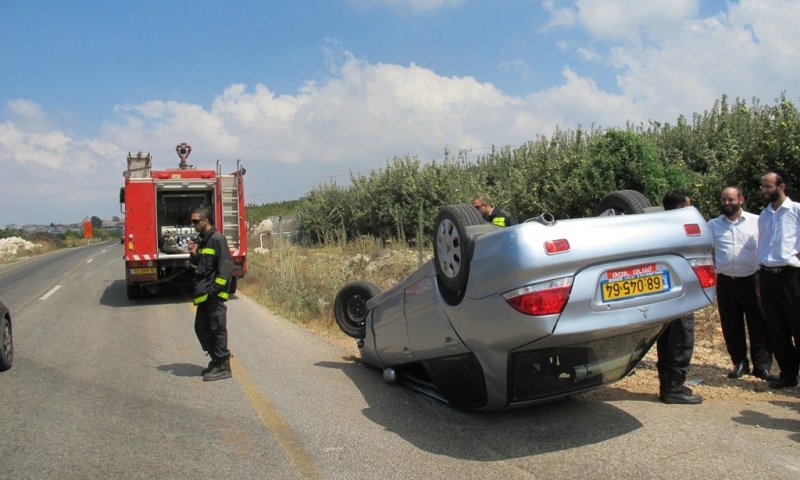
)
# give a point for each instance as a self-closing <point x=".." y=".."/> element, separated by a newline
<point x="45" y="245"/>
<point x="301" y="283"/>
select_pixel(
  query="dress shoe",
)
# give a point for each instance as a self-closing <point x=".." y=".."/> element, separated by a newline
<point x="782" y="382"/>
<point x="762" y="373"/>
<point x="739" y="370"/>
<point x="681" y="394"/>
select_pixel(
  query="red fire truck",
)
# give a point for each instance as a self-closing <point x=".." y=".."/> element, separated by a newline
<point x="158" y="204"/>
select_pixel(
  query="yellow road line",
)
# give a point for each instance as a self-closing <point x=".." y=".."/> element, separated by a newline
<point x="271" y="418"/>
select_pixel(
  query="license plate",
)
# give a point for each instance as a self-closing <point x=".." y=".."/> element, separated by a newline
<point x="143" y="271"/>
<point x="634" y="282"/>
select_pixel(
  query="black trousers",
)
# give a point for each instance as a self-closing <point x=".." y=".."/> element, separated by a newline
<point x="211" y="327"/>
<point x="738" y="304"/>
<point x="675" y="347"/>
<point x="780" y="297"/>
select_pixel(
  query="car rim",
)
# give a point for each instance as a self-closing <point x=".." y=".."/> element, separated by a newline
<point x="357" y="309"/>
<point x="448" y="248"/>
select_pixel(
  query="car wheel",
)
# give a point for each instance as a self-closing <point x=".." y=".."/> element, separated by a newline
<point x="452" y="249"/>
<point x="623" y="202"/>
<point x="6" y="345"/>
<point x="350" y="307"/>
<point x="134" y="292"/>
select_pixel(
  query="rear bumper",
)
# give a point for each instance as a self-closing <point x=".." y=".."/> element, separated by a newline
<point x="545" y="374"/>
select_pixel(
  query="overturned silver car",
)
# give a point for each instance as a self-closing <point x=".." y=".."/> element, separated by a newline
<point x="506" y="317"/>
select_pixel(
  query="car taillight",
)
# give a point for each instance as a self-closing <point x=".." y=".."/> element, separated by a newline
<point x="545" y="298"/>
<point x="692" y="229"/>
<point x="556" y="246"/>
<point x="705" y="271"/>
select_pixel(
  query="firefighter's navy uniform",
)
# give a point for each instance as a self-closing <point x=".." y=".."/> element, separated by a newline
<point x="211" y="283"/>
<point x="502" y="217"/>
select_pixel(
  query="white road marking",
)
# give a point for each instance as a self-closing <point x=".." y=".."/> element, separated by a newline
<point x="90" y="260"/>
<point x="52" y="291"/>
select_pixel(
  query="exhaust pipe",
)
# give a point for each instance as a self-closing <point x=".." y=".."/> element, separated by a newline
<point x="547" y="219"/>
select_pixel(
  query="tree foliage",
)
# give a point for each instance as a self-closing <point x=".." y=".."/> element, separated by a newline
<point x="569" y="172"/>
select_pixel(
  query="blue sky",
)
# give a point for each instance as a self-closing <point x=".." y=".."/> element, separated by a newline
<point x="303" y="92"/>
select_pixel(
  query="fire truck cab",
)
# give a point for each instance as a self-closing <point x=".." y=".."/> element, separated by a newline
<point x="158" y="204"/>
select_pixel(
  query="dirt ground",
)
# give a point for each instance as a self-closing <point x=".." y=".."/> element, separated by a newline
<point x="709" y="369"/>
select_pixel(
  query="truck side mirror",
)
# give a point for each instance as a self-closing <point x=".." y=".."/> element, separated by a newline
<point x="122" y="195"/>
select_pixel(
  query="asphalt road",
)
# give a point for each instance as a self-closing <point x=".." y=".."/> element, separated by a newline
<point x="103" y="387"/>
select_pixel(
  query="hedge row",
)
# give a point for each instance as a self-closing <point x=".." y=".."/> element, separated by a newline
<point x="568" y="173"/>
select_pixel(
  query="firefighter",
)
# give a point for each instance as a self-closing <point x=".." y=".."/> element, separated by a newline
<point x="213" y="265"/>
<point x="490" y="213"/>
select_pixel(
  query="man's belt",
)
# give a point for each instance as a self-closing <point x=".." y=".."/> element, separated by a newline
<point x="731" y="277"/>
<point x="780" y="269"/>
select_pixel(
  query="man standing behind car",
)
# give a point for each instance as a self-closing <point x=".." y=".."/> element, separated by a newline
<point x="676" y="343"/>
<point x="490" y="213"/>
<point x="212" y="274"/>
<point x="735" y="235"/>
<point x="778" y="251"/>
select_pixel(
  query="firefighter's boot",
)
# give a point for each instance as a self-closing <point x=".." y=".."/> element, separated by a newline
<point x="676" y="392"/>
<point x="211" y="364"/>
<point x="220" y="370"/>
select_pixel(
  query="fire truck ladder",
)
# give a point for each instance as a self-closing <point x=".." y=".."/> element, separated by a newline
<point x="230" y="210"/>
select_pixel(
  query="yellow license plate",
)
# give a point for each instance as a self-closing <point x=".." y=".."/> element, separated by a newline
<point x="634" y="282"/>
<point x="143" y="271"/>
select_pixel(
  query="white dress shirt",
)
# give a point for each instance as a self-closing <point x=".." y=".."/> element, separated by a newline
<point x="779" y="235"/>
<point x="735" y="244"/>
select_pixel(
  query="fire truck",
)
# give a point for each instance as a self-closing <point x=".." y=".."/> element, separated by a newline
<point x="158" y="204"/>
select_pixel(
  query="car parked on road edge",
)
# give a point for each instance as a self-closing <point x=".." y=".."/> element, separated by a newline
<point x="6" y="338"/>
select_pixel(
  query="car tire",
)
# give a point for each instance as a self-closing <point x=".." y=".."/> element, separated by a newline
<point x="350" y="307"/>
<point x="623" y="202"/>
<point x="6" y="345"/>
<point x="452" y="249"/>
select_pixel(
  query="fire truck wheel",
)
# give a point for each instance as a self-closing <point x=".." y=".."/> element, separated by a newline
<point x="134" y="292"/>
<point x="234" y="281"/>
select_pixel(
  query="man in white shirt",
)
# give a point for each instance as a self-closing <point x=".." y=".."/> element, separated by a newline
<point x="735" y="235"/>
<point x="778" y="250"/>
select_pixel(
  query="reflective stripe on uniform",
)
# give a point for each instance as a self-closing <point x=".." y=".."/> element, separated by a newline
<point x="223" y="295"/>
<point x="208" y="251"/>
<point x="220" y="281"/>
<point x="202" y="298"/>
<point x="501" y="221"/>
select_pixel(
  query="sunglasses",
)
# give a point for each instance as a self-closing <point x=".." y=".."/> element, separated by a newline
<point x="195" y="221"/>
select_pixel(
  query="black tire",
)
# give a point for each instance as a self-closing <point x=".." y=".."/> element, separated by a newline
<point x="623" y="202"/>
<point x="6" y="345"/>
<point x="234" y="284"/>
<point x="350" y="307"/>
<point x="134" y="292"/>
<point x="452" y="250"/>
